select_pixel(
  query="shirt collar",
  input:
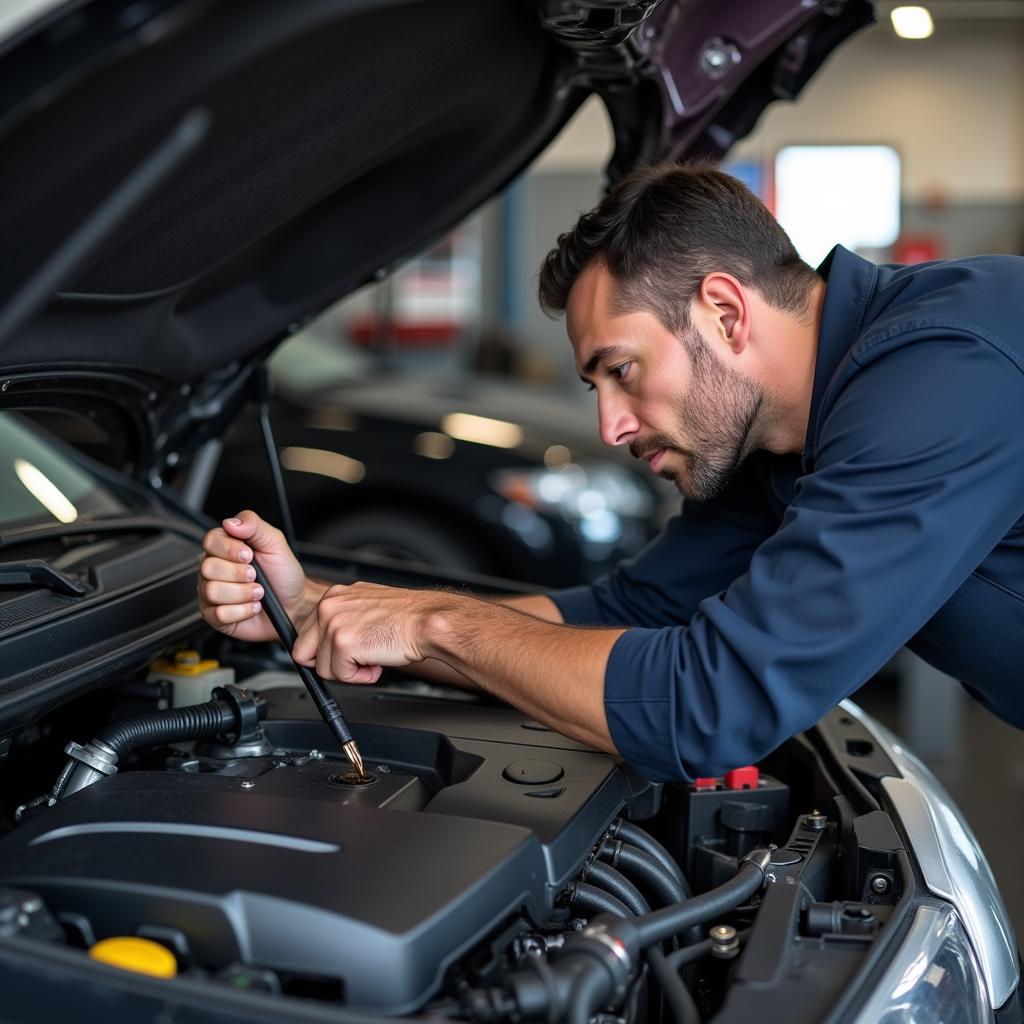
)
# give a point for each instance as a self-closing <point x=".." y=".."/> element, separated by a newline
<point x="850" y="283"/>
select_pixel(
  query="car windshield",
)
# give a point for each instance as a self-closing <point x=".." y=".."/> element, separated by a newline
<point x="40" y="486"/>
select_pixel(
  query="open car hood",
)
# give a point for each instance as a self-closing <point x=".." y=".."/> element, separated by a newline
<point x="195" y="179"/>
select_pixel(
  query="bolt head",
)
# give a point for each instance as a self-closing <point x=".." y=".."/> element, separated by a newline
<point x="722" y="933"/>
<point x="880" y="884"/>
<point x="248" y="784"/>
<point x="718" y="57"/>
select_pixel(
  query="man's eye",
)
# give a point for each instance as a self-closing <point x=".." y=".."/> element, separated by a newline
<point x="621" y="370"/>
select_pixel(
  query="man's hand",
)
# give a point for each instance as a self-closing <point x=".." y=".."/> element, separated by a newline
<point x="550" y="671"/>
<point x="229" y="597"/>
<point x="358" y="629"/>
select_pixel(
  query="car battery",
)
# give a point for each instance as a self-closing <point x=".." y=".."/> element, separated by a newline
<point x="713" y="822"/>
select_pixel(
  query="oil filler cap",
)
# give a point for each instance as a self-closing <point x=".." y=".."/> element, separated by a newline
<point x="133" y="954"/>
<point x="533" y="773"/>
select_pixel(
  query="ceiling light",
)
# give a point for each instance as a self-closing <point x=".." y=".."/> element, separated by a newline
<point x="912" y="22"/>
<point x="482" y="430"/>
<point x="332" y="464"/>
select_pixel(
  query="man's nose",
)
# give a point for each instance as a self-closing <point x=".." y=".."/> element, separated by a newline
<point x="618" y="425"/>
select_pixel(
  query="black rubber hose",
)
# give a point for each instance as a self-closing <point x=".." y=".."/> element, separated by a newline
<point x="677" y="996"/>
<point x="661" y="924"/>
<point x="690" y="954"/>
<point x="193" y="722"/>
<point x="636" y="836"/>
<point x="625" y="892"/>
<point x="607" y="878"/>
<point x="640" y="867"/>
<point x="587" y="993"/>
<point x="590" y="900"/>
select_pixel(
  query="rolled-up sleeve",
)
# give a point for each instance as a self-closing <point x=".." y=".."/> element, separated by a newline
<point x="918" y="474"/>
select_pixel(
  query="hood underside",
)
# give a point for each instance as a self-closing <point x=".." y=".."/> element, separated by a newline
<point x="333" y="139"/>
<point x="195" y="179"/>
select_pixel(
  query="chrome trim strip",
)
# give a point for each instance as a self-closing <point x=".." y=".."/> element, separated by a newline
<point x="950" y="858"/>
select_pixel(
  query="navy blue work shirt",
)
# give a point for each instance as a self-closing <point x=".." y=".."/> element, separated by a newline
<point x="900" y="524"/>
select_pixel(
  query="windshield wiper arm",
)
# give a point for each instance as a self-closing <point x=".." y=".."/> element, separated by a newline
<point x="38" y="572"/>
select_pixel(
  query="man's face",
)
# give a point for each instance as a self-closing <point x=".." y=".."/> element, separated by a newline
<point x="672" y="400"/>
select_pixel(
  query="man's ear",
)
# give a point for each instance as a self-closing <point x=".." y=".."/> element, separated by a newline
<point x="725" y="303"/>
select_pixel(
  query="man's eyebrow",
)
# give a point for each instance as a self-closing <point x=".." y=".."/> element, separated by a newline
<point x="594" y="361"/>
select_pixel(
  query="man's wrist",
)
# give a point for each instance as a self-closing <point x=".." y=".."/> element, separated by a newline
<point x="439" y="627"/>
<point x="312" y="591"/>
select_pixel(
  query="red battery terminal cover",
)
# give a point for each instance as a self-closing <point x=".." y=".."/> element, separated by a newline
<point x="708" y="783"/>
<point x="742" y="778"/>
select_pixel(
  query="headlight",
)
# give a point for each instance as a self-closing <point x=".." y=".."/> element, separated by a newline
<point x="952" y="864"/>
<point x="933" y="976"/>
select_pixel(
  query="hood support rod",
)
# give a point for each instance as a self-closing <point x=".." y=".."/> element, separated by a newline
<point x="261" y="384"/>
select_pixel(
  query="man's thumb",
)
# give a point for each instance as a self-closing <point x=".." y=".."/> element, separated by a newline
<point x="240" y="528"/>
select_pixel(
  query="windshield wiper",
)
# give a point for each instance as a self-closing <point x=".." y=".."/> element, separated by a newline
<point x="37" y="572"/>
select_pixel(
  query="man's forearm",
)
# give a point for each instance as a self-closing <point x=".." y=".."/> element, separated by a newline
<point x="436" y="671"/>
<point x="553" y="672"/>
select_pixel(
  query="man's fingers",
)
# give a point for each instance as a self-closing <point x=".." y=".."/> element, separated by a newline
<point x="223" y="569"/>
<point x="364" y="674"/>
<point x="258" y="532"/>
<point x="225" y="614"/>
<point x="218" y="544"/>
<point x="217" y="592"/>
<point x="306" y="643"/>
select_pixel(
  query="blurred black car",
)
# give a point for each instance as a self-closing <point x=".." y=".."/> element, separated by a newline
<point x="477" y="474"/>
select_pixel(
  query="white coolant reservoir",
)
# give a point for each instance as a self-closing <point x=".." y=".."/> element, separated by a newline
<point x="191" y="677"/>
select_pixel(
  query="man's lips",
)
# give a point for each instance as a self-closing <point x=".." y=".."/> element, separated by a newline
<point x="655" y="459"/>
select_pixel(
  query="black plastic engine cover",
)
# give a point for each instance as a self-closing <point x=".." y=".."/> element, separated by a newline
<point x="268" y="862"/>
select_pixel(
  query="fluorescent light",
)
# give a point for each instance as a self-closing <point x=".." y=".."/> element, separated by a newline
<point x="45" y="491"/>
<point x="912" y="22"/>
<point x="314" y="460"/>
<point x="465" y="427"/>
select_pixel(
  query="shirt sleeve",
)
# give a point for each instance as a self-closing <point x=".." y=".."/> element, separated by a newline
<point x="917" y="477"/>
<point x="698" y="553"/>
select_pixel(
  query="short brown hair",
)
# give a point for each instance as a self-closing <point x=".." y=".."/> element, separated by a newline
<point x="662" y="229"/>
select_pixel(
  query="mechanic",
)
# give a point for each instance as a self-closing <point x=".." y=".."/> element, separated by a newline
<point x="850" y="445"/>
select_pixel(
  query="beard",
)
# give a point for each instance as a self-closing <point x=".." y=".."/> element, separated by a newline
<point x="718" y="416"/>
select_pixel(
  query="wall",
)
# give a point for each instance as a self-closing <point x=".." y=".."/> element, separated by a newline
<point x="953" y="106"/>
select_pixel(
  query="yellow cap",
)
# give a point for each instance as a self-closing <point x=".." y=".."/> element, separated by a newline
<point x="185" y="663"/>
<point x="140" y="955"/>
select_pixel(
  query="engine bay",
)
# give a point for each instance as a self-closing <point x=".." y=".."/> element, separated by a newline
<point x="464" y="879"/>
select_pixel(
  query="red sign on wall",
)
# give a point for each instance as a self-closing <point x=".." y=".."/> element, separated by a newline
<point x="917" y="249"/>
